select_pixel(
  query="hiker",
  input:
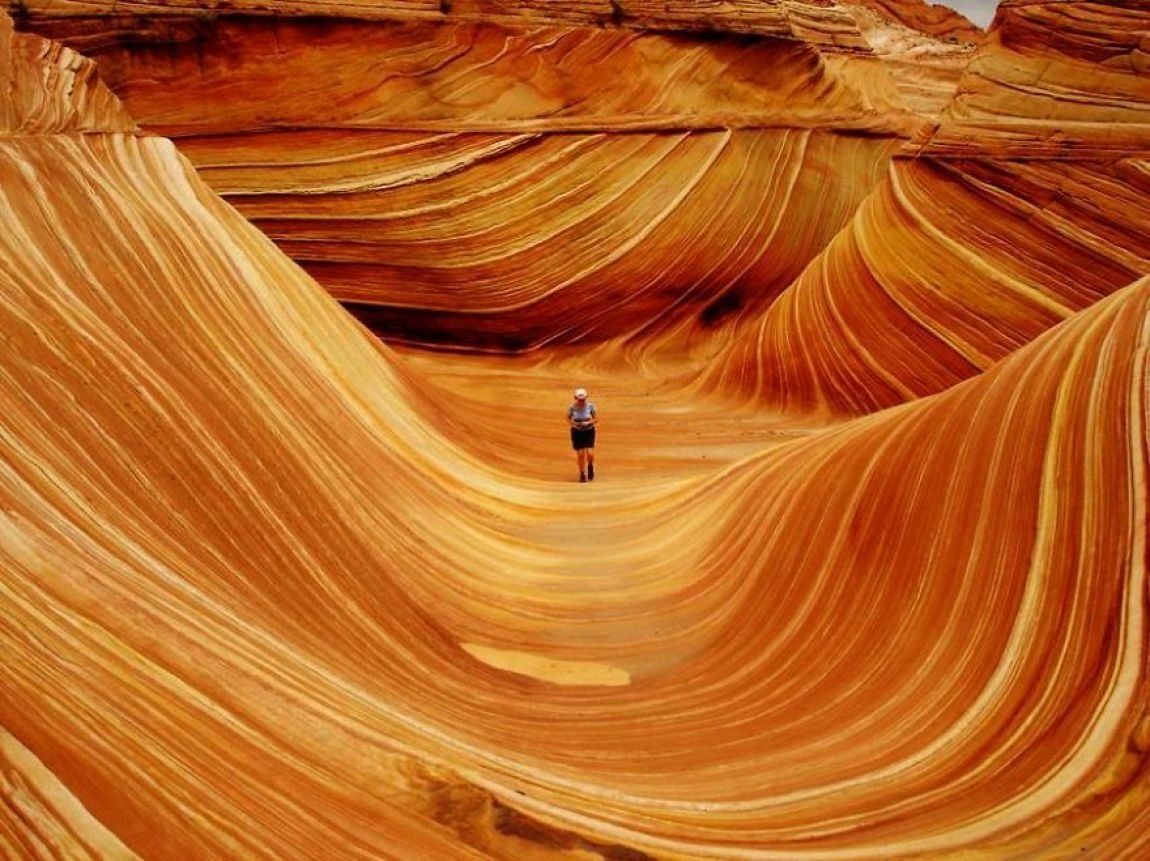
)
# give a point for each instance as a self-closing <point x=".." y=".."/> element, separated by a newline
<point x="581" y="417"/>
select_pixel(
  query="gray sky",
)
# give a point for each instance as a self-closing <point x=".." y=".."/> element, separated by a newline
<point x="981" y="12"/>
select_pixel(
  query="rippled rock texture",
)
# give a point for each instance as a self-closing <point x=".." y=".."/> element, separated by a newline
<point x="1018" y="209"/>
<point x="465" y="178"/>
<point x="273" y="589"/>
<point x="934" y="19"/>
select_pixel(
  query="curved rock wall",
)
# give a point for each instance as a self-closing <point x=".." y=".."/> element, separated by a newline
<point x="510" y="242"/>
<point x="258" y="602"/>
<point x="475" y="185"/>
<point x="1005" y="219"/>
<point x="946" y="269"/>
<point x="269" y="591"/>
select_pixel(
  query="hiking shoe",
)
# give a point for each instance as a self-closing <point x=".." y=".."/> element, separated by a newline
<point x="590" y="472"/>
<point x="582" y="477"/>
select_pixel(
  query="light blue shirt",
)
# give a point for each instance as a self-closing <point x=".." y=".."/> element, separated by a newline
<point x="581" y="414"/>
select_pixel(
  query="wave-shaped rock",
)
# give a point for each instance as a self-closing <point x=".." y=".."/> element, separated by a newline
<point x="946" y="269"/>
<point x="473" y="184"/>
<point x="243" y="574"/>
<point x="969" y="250"/>
<point x="510" y="242"/>
<point x="268" y="594"/>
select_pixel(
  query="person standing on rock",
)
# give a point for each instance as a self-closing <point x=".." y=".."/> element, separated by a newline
<point x="581" y="417"/>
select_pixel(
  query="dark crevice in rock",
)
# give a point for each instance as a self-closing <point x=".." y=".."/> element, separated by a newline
<point x="514" y="823"/>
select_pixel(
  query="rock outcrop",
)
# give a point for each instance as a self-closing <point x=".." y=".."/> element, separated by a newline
<point x="499" y="195"/>
<point x="1056" y="79"/>
<point x="63" y="94"/>
<point x="1018" y="210"/>
<point x="925" y="72"/>
<point x="933" y="19"/>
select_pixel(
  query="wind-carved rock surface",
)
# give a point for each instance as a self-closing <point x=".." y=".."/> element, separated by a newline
<point x="933" y="19"/>
<point x="469" y="181"/>
<point x="65" y="94"/>
<point x="924" y="72"/>
<point x="271" y="589"/>
<point x="1019" y="209"/>
<point x="1057" y="79"/>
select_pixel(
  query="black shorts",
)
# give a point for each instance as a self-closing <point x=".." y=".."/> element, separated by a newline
<point x="582" y="438"/>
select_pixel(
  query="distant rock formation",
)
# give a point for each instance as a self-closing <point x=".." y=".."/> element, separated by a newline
<point x="924" y="71"/>
<point x="1056" y="79"/>
<point x="462" y="177"/>
<point x="933" y="19"/>
<point x="1021" y="207"/>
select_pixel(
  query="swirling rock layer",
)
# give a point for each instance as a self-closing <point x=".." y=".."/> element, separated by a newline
<point x="934" y="19"/>
<point x="508" y="242"/>
<point x="272" y="589"/>
<point x="947" y="268"/>
<point x="472" y="183"/>
<point x="966" y="251"/>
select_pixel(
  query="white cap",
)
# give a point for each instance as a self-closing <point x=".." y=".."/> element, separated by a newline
<point x="580" y="394"/>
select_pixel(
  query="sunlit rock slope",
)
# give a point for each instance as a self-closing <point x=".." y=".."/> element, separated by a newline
<point x="266" y="594"/>
<point x="925" y="72"/>
<point x="934" y="19"/>
<point x="463" y="176"/>
<point x="1024" y="205"/>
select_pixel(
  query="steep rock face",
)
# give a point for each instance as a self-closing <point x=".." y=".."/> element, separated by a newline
<point x="469" y="181"/>
<point x="260" y="601"/>
<point x="1009" y="216"/>
<point x="1056" y="79"/>
<point x="49" y="89"/>
<point x="118" y="269"/>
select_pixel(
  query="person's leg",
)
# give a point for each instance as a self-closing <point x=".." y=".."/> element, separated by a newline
<point x="590" y="464"/>
<point x="581" y="454"/>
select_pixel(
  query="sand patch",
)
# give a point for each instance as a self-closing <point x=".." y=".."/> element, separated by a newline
<point x="550" y="669"/>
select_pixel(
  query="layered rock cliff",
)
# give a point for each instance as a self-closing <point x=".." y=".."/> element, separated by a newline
<point x="933" y="19"/>
<point x="463" y="176"/>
